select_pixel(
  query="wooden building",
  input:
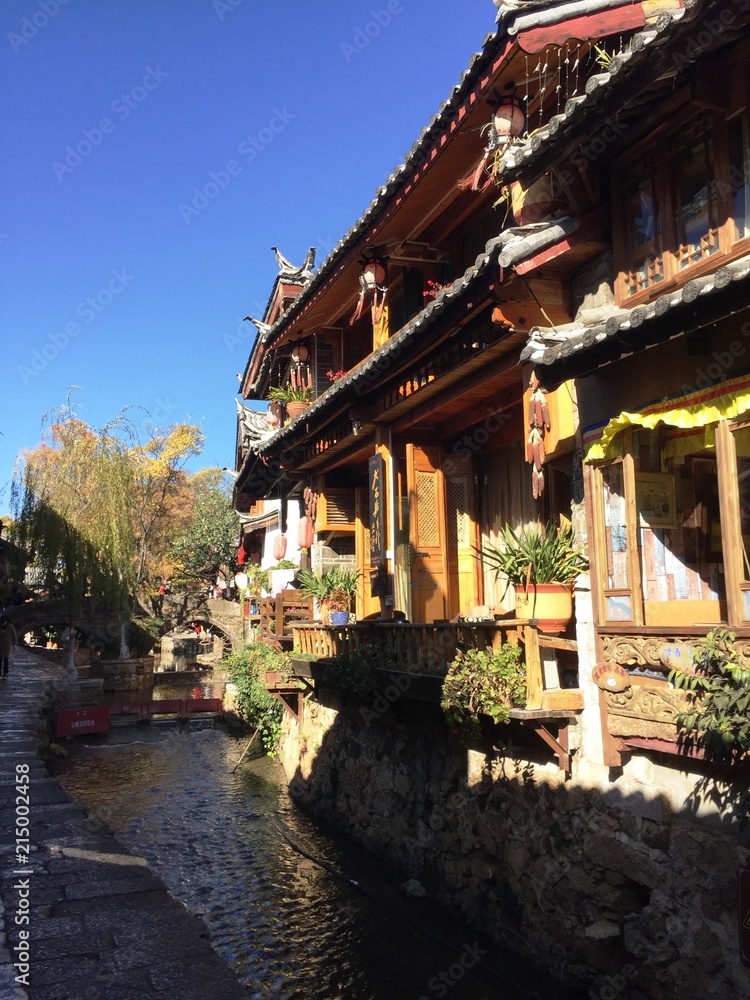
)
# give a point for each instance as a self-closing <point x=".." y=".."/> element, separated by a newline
<point x="578" y="211"/>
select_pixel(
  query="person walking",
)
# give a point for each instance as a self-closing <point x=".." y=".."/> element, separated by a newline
<point x="8" y="640"/>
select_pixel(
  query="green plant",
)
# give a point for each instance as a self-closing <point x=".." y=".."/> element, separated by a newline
<point x="257" y="707"/>
<point x="718" y="692"/>
<point x="257" y="580"/>
<point x="483" y="682"/>
<point x="285" y="564"/>
<point x="540" y="554"/>
<point x="290" y="394"/>
<point x="335" y="581"/>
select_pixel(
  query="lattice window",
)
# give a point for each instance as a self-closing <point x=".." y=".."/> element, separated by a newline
<point x="427" y="508"/>
<point x="458" y="516"/>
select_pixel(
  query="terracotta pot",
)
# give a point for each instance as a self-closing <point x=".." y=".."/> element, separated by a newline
<point x="294" y="409"/>
<point x="550" y="603"/>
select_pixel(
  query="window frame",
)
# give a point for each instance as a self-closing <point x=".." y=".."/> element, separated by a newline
<point x="737" y="583"/>
<point x="661" y="148"/>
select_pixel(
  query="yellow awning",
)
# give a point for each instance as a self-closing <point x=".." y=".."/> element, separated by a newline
<point x="696" y="414"/>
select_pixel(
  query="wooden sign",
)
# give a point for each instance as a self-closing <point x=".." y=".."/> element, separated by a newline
<point x="377" y="512"/>
<point x="611" y="677"/>
<point x="677" y="656"/>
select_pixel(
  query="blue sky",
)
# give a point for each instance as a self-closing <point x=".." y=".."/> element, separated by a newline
<point x="154" y="151"/>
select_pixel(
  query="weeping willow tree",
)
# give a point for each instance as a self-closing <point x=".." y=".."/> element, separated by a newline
<point x="70" y="498"/>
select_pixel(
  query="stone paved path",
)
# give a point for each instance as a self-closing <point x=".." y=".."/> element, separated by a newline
<point x="100" y="925"/>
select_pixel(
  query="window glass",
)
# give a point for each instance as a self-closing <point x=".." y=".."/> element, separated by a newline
<point x="644" y="230"/>
<point x="739" y="175"/>
<point x="614" y="527"/>
<point x="696" y="198"/>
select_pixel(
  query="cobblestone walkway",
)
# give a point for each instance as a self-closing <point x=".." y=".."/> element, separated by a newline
<point x="84" y="917"/>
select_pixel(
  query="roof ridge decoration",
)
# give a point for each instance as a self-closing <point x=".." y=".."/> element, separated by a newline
<point x="520" y="15"/>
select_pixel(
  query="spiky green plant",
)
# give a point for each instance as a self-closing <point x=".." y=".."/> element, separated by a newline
<point x="540" y="554"/>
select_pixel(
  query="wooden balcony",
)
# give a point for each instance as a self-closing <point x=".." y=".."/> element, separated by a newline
<point x="428" y="650"/>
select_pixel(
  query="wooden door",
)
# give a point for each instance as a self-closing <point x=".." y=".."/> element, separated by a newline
<point x="429" y="570"/>
<point x="464" y="586"/>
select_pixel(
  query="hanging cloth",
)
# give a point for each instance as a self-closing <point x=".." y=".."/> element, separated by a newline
<point x="695" y="417"/>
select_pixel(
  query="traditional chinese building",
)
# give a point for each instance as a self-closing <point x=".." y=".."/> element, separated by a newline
<point x="572" y="226"/>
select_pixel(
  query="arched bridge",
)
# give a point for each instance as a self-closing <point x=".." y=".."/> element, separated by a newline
<point x="100" y="624"/>
<point x="223" y="617"/>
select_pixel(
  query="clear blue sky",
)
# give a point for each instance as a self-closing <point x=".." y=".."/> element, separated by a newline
<point x="114" y="277"/>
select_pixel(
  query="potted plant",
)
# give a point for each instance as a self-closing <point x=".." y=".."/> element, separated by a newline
<point x="334" y="590"/>
<point x="257" y="582"/>
<point x="296" y="396"/>
<point x="483" y="682"/>
<point x="542" y="563"/>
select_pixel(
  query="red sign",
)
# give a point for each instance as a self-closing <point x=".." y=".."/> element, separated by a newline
<point x="81" y="721"/>
<point x="744" y="913"/>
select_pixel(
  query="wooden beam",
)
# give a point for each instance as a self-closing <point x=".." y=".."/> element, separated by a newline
<point x="605" y="22"/>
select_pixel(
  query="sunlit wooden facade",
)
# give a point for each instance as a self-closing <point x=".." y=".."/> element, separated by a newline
<point x="603" y="249"/>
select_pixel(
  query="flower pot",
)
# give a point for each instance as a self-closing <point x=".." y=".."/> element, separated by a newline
<point x="294" y="409"/>
<point x="550" y="603"/>
<point x="339" y="618"/>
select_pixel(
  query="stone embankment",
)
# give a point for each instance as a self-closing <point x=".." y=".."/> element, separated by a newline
<point x="617" y="890"/>
<point x="81" y="918"/>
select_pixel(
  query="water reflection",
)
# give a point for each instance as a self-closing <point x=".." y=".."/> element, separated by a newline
<point x="329" y="925"/>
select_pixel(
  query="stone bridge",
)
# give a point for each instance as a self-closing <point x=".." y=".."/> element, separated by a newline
<point x="99" y="624"/>
<point x="223" y="617"/>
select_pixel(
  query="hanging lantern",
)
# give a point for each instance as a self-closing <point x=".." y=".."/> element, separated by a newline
<point x="273" y="415"/>
<point x="373" y="274"/>
<point x="304" y="533"/>
<point x="300" y="354"/>
<point x="371" y="282"/>
<point x="279" y="547"/>
<point x="509" y="118"/>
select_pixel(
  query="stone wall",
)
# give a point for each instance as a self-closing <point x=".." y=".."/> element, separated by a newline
<point x="136" y="674"/>
<point x="613" y="885"/>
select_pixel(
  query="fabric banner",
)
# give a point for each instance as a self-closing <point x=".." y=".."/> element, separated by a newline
<point x="694" y="416"/>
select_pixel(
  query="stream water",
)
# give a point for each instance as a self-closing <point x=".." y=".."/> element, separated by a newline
<point x="297" y="911"/>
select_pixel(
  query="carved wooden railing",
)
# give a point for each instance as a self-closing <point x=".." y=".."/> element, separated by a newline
<point x="430" y="649"/>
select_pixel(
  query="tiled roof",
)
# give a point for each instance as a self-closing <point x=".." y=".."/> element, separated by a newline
<point x="644" y="51"/>
<point x="507" y="249"/>
<point x="549" y="347"/>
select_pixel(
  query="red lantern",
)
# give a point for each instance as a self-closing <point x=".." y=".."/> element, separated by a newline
<point x="304" y="533"/>
<point x="279" y="547"/>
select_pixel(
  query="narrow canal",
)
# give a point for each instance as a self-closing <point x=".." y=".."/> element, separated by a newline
<point x="297" y="911"/>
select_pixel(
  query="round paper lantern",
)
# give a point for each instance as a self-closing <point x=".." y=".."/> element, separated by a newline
<point x="509" y="118"/>
<point x="279" y="547"/>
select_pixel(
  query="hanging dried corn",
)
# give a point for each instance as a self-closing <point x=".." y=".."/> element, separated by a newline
<point x="538" y="424"/>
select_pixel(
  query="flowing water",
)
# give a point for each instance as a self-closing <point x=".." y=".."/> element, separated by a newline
<point x="297" y="911"/>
